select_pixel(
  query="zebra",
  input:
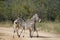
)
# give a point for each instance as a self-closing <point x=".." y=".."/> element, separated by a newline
<point x="29" y="24"/>
<point x="16" y="26"/>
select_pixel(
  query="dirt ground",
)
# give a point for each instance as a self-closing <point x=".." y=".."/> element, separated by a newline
<point x="6" y="34"/>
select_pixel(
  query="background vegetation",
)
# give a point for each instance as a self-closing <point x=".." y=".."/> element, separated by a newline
<point x="48" y="10"/>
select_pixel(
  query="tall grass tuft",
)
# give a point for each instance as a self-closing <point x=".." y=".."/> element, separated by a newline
<point x="53" y="27"/>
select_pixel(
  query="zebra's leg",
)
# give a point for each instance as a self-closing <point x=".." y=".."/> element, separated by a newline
<point x="30" y="33"/>
<point x="37" y="33"/>
<point x="18" y="33"/>
<point x="13" y="33"/>
<point x="35" y="29"/>
<point x="21" y="32"/>
<point x="24" y="32"/>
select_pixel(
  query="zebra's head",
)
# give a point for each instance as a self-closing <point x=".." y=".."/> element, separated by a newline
<point x="36" y="17"/>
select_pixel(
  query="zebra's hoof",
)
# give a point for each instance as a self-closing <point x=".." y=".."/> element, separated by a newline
<point x="37" y="36"/>
<point x="18" y="35"/>
<point x="30" y="36"/>
<point x="23" y="36"/>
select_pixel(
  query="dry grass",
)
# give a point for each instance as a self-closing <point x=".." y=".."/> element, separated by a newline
<point x="6" y="24"/>
<point x="53" y="27"/>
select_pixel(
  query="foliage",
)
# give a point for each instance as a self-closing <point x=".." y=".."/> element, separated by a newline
<point x="48" y="10"/>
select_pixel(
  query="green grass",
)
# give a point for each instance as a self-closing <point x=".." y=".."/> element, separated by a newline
<point x="53" y="27"/>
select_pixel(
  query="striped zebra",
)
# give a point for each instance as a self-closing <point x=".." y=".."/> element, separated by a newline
<point x="29" y="24"/>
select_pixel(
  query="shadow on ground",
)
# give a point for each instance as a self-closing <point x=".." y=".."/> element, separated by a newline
<point x="40" y="37"/>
